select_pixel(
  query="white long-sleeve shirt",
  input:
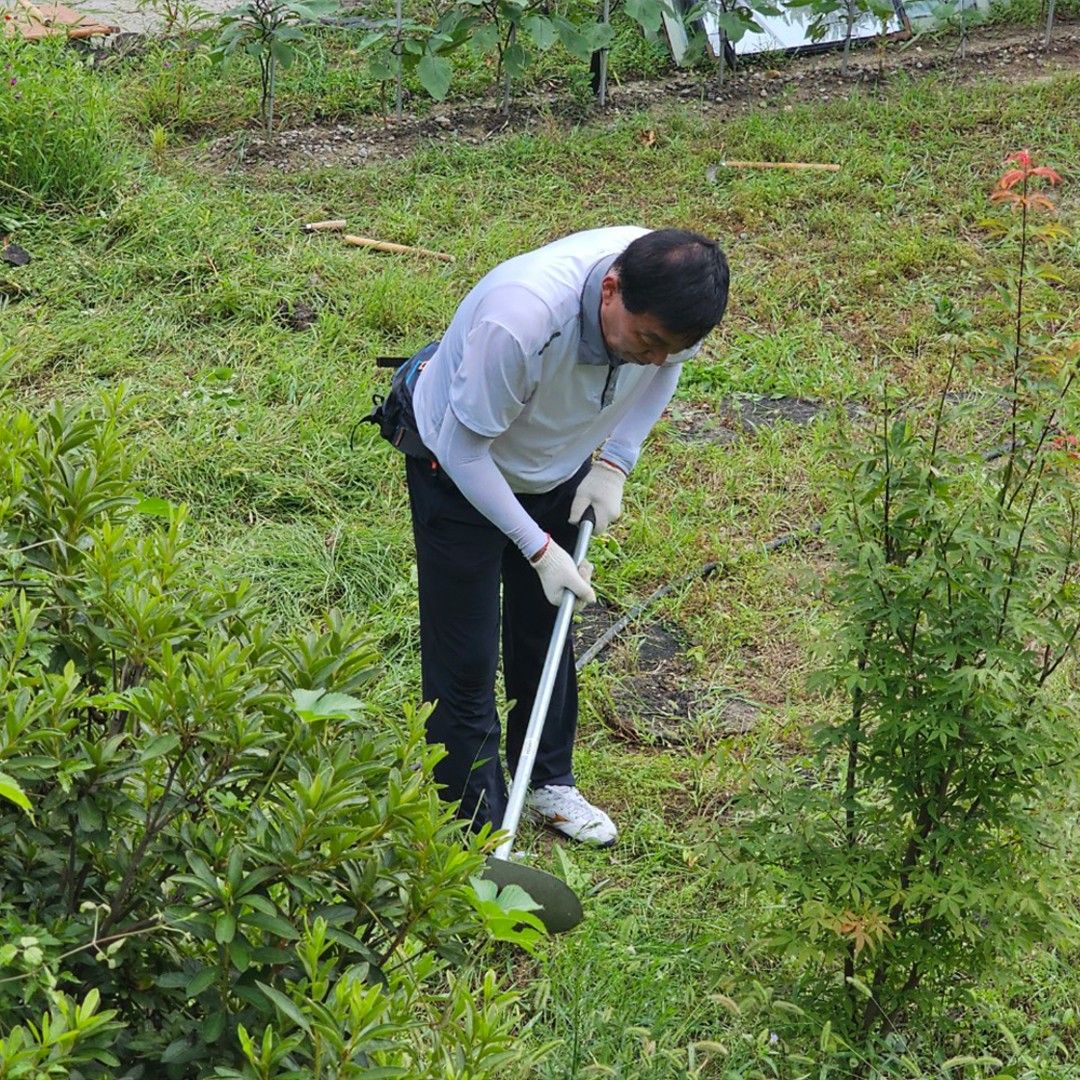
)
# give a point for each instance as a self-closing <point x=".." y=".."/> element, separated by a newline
<point x="522" y="389"/>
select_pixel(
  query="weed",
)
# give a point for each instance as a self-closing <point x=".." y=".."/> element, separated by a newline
<point x="58" y="135"/>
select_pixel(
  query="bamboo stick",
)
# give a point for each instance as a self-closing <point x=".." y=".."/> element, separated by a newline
<point x="334" y="225"/>
<point x="386" y="245"/>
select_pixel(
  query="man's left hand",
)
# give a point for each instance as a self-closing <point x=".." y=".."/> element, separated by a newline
<point x="601" y="489"/>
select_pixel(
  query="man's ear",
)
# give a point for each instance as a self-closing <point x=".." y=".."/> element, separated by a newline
<point x="609" y="286"/>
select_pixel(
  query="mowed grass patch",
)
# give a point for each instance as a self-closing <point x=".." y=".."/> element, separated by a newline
<point x="179" y="290"/>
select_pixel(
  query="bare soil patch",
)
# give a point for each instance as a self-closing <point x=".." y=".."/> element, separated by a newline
<point x="743" y="414"/>
<point x="655" y="700"/>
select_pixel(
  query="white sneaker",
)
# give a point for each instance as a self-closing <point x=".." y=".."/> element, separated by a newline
<point x="567" y="811"/>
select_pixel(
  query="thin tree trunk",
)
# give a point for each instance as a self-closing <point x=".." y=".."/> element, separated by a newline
<point x="270" y="103"/>
<point x="268" y="65"/>
<point x="601" y="95"/>
<point x="847" y="36"/>
<point x="397" y="49"/>
<point x="1049" y="23"/>
<point x="511" y="37"/>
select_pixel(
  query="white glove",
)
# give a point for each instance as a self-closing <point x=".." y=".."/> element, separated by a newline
<point x="558" y="573"/>
<point x="602" y="490"/>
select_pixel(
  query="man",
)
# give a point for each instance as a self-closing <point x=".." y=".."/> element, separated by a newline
<point x="554" y="354"/>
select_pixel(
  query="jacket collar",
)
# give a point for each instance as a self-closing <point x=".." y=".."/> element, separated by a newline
<point x="591" y="348"/>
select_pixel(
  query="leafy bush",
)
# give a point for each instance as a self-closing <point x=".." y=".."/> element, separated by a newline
<point x="943" y="844"/>
<point x="59" y="141"/>
<point x="207" y="839"/>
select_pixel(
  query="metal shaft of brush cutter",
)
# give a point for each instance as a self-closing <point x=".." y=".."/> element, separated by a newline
<point x="523" y="773"/>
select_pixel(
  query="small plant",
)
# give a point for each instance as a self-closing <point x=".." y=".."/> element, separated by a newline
<point x="931" y="840"/>
<point x="159" y="144"/>
<point x="734" y="19"/>
<point x="271" y="31"/>
<point x="183" y="29"/>
<point x="509" y="29"/>
<point x="960" y="15"/>
<point x="825" y="13"/>
<point x="401" y="46"/>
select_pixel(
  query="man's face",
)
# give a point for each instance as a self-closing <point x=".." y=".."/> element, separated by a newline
<point x="637" y="339"/>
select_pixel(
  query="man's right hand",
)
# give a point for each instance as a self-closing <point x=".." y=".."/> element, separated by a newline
<point x="558" y="572"/>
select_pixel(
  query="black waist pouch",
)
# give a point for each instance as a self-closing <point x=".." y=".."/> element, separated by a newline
<point x="393" y="414"/>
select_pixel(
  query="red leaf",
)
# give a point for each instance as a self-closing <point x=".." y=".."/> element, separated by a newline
<point x="1040" y="201"/>
<point x="1011" y="178"/>
<point x="1047" y="173"/>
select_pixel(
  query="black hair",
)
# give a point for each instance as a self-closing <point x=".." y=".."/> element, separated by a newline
<point x="680" y="277"/>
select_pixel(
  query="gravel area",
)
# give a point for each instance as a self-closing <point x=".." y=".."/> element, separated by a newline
<point x="135" y="18"/>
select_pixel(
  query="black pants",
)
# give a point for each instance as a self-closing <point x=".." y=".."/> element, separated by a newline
<point x="461" y="559"/>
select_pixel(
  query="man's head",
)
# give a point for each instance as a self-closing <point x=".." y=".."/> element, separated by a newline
<point x="662" y="295"/>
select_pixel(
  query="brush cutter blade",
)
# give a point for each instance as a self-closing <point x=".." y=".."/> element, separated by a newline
<point x="560" y="909"/>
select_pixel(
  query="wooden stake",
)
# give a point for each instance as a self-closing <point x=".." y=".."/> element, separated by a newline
<point x="386" y="245"/>
<point x="777" y="165"/>
<point x="335" y="225"/>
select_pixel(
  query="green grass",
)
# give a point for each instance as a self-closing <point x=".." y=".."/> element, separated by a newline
<point x="174" y="290"/>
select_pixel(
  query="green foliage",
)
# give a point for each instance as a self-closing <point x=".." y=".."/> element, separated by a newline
<point x="70" y="1039"/>
<point x="942" y="846"/>
<point x="204" y="825"/>
<point x="174" y="60"/>
<point x="414" y="47"/>
<point x="958" y="14"/>
<point x="825" y="13"/>
<point x="271" y="31"/>
<point x="173" y="92"/>
<point x="1030" y="12"/>
<point x="737" y="19"/>
<point x="512" y="31"/>
<point x="58" y="136"/>
<point x="185" y="276"/>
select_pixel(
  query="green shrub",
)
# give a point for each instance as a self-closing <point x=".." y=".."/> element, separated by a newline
<point x="933" y="839"/>
<point x="59" y="142"/>
<point x="202" y="824"/>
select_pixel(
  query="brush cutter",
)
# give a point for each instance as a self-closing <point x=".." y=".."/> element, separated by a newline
<point x="560" y="909"/>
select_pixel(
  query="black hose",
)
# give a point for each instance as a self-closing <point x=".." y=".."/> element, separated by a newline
<point x="613" y="631"/>
<point x="706" y="571"/>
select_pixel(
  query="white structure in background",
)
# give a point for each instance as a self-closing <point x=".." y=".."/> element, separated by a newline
<point x="790" y="30"/>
